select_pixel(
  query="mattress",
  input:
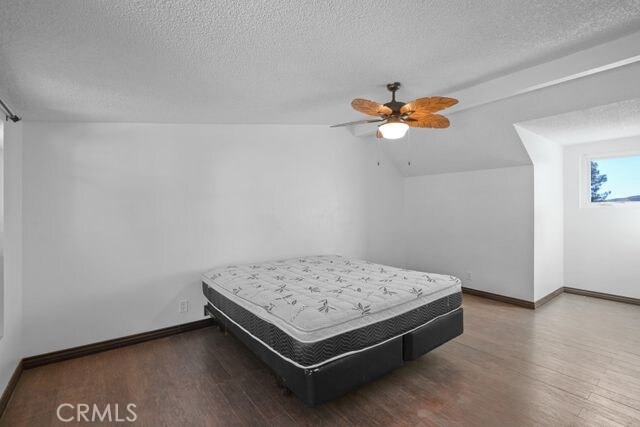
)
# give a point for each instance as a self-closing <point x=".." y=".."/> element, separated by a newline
<point x="312" y="310"/>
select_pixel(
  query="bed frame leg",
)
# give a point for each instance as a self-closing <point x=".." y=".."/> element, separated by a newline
<point x="211" y="316"/>
<point x="216" y="321"/>
<point x="280" y="382"/>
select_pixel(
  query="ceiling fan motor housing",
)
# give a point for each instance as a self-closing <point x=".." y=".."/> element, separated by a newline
<point x="395" y="106"/>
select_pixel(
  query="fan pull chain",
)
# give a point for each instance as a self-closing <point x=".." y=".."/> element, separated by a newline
<point x="377" y="148"/>
<point x="409" y="148"/>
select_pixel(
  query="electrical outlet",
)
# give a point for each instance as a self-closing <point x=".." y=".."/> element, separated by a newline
<point x="469" y="277"/>
<point x="184" y="306"/>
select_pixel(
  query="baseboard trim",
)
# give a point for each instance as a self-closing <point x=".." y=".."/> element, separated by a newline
<point x="501" y="298"/>
<point x="84" y="350"/>
<point x="602" y="295"/>
<point x="545" y="299"/>
<point x="11" y="386"/>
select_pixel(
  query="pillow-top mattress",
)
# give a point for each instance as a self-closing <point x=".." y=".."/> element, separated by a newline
<point x="312" y="310"/>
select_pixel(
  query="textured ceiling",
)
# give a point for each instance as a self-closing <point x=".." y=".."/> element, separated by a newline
<point x="286" y="61"/>
<point x="611" y="121"/>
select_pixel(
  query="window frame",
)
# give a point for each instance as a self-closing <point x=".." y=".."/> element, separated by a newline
<point x="585" y="180"/>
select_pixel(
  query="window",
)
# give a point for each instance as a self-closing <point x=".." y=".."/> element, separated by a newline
<point x="613" y="180"/>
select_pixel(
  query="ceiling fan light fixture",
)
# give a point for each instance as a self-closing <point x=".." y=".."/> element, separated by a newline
<point x="394" y="129"/>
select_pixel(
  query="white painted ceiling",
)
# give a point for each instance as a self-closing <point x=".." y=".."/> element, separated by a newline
<point x="606" y="122"/>
<point x="286" y="61"/>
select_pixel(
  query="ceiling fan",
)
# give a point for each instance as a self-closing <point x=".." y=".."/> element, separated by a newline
<point x="397" y="117"/>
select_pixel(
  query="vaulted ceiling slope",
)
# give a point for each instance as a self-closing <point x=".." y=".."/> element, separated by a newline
<point x="286" y="61"/>
<point x="485" y="138"/>
<point x="604" y="122"/>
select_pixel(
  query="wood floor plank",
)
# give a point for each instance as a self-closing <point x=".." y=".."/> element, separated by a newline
<point x="574" y="362"/>
<point x="618" y="397"/>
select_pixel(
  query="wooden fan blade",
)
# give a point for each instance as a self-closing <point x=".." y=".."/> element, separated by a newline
<point x="370" y="108"/>
<point x="358" y="122"/>
<point x="419" y="115"/>
<point x="432" y="121"/>
<point x="428" y="105"/>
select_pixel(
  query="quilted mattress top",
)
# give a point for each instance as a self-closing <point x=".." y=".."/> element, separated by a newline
<point x="314" y="297"/>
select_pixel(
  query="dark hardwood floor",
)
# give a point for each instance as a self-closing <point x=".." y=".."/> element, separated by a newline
<point x="575" y="361"/>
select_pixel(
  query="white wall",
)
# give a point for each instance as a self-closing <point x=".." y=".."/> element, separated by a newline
<point x="548" y="258"/>
<point x="2" y="301"/>
<point x="602" y="244"/>
<point x="121" y="219"/>
<point x="479" y="222"/>
<point x="484" y="137"/>
<point x="11" y="342"/>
